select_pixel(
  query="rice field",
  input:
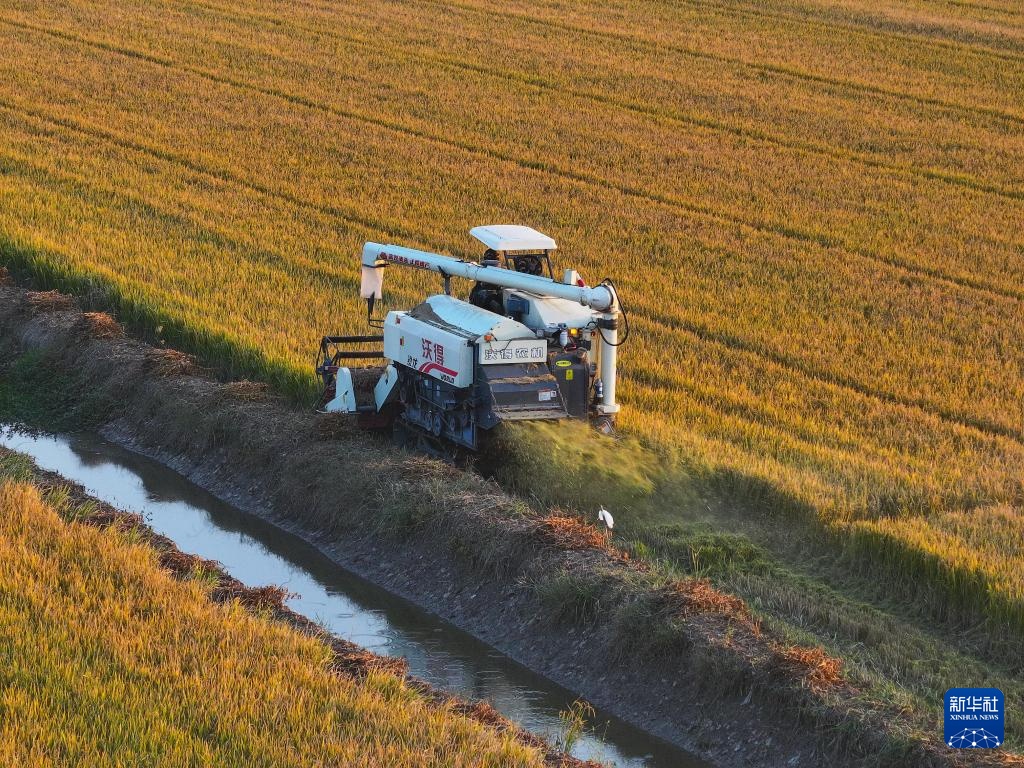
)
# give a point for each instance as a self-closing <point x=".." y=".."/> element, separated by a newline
<point x="813" y="209"/>
<point x="109" y="660"/>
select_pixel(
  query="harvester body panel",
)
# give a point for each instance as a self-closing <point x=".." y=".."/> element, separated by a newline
<point x="428" y="349"/>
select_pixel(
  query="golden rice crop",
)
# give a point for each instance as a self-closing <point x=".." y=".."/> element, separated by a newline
<point x="109" y="660"/>
<point x="813" y="210"/>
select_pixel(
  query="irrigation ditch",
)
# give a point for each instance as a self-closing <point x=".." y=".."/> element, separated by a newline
<point x="194" y="532"/>
<point x="677" y="659"/>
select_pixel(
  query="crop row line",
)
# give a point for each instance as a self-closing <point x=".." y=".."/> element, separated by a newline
<point x="203" y="233"/>
<point x="781" y="230"/>
<point x="859" y="29"/>
<point x="983" y="7"/>
<point x="725" y="340"/>
<point x="698" y="331"/>
<point x="737" y="434"/>
<point x="673" y="117"/>
<point x="365" y="222"/>
<point x="770" y="69"/>
<point x="717" y="401"/>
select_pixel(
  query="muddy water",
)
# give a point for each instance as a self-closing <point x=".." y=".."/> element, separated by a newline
<point x="259" y="553"/>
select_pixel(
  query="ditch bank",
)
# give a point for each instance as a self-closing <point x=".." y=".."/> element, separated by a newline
<point x="676" y="658"/>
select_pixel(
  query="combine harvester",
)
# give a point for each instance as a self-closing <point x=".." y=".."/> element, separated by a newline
<point x="523" y="347"/>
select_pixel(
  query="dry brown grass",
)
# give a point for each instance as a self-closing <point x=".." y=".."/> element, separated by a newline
<point x="49" y="301"/>
<point x="817" y="669"/>
<point x="332" y="426"/>
<point x="246" y="391"/>
<point x="100" y="325"/>
<point x="571" y="533"/>
<point x="349" y="659"/>
<point x="170" y="362"/>
<point x="176" y="561"/>
<point x="699" y="596"/>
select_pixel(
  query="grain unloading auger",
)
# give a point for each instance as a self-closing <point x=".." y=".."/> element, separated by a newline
<point x="523" y="347"/>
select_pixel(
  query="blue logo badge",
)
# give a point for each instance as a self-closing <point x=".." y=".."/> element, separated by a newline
<point x="974" y="718"/>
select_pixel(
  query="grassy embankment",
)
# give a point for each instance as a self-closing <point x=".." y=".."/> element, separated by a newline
<point x="814" y="212"/>
<point x="562" y="568"/>
<point x="110" y="659"/>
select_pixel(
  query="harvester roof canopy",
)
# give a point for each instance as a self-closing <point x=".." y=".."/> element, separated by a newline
<point x="513" y="237"/>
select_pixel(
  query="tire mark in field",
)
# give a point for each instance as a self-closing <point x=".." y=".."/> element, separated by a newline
<point x="778" y="70"/>
<point x="708" y="124"/>
<point x="734" y="343"/>
<point x="864" y="29"/>
<point x="823" y="240"/>
<point x="726" y="340"/>
<point x="984" y="7"/>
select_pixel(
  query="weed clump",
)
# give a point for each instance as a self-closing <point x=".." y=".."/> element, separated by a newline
<point x="353" y="661"/>
<point x="577" y="596"/>
<point x="698" y="596"/>
<point x="40" y="391"/>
